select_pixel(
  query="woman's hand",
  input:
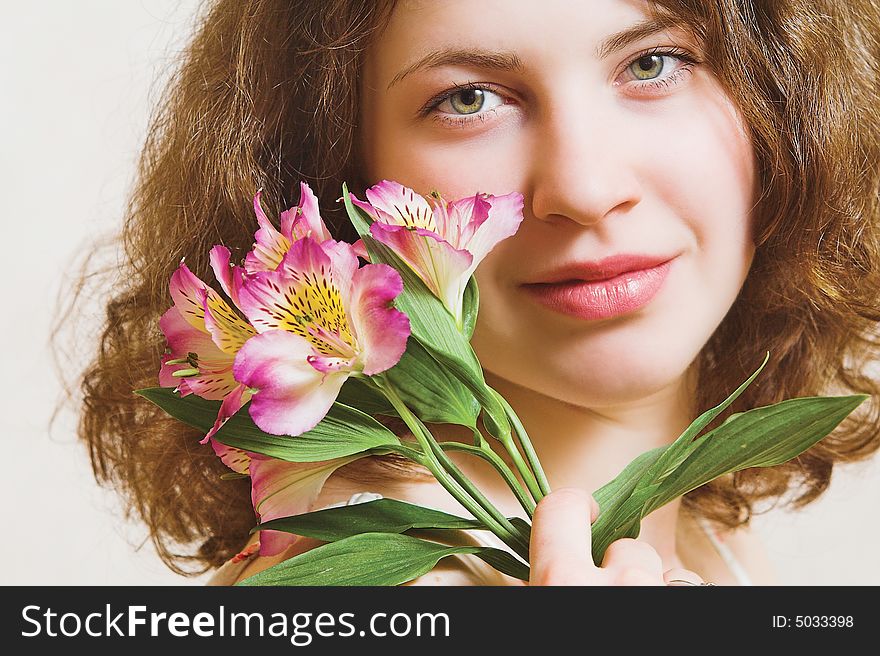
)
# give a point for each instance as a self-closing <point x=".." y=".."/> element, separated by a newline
<point x="561" y="548"/>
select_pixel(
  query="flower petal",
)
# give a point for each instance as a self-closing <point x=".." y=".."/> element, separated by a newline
<point x="214" y="379"/>
<point x="184" y="288"/>
<point x="457" y="221"/>
<point x="231" y="404"/>
<point x="292" y="396"/>
<point x="382" y="331"/>
<point x="228" y="330"/>
<point x="236" y="459"/>
<point x="360" y="249"/>
<point x="505" y="216"/>
<point x="269" y="245"/>
<point x="441" y="266"/>
<point x="399" y="205"/>
<point x="343" y="263"/>
<point x="330" y="365"/>
<point x="305" y="220"/>
<point x="229" y="276"/>
<point x="281" y="489"/>
<point x="304" y="293"/>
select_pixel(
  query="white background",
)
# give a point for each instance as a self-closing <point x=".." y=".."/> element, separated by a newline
<point x="77" y="83"/>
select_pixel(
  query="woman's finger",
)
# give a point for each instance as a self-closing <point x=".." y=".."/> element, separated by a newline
<point x="632" y="562"/>
<point x="562" y="557"/>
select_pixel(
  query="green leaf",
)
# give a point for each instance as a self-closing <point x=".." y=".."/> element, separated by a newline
<point x="192" y="410"/>
<point x="615" y="492"/>
<point x="430" y="391"/>
<point x="375" y="559"/>
<point x="430" y="321"/>
<point x="359" y="393"/>
<point x="379" y="516"/>
<point x="521" y="525"/>
<point x="470" y="307"/>
<point x="359" y="219"/>
<point x="762" y="437"/>
<point x="434" y="327"/>
<point x="345" y="431"/>
<point x="679" y="450"/>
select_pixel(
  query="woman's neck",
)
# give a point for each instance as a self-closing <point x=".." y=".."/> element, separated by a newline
<point x="587" y="447"/>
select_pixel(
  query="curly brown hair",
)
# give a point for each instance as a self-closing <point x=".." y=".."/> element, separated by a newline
<point x="267" y="95"/>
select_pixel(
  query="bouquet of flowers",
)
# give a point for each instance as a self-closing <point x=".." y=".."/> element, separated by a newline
<point x="286" y="374"/>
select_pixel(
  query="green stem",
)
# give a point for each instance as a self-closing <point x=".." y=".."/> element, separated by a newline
<point x="453" y="480"/>
<point x="524" y="471"/>
<point x="522" y="541"/>
<point x="489" y="455"/>
<point x="528" y="449"/>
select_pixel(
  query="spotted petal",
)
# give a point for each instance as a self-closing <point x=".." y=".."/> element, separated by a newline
<point x="236" y="459"/>
<point x="305" y="296"/>
<point x="230" y="277"/>
<point x="184" y="288"/>
<point x="292" y="395"/>
<point x="214" y="380"/>
<point x="182" y="339"/>
<point x="228" y="330"/>
<point x="281" y="489"/>
<point x="392" y="203"/>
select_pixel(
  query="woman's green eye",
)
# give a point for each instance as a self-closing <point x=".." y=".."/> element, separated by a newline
<point x="467" y="101"/>
<point x="647" y="67"/>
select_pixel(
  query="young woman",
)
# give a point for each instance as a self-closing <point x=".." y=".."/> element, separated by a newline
<point x="728" y="150"/>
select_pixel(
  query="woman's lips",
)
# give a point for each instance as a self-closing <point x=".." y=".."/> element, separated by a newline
<point x="601" y="299"/>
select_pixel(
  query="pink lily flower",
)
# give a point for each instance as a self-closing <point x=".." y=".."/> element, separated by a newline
<point x="279" y="488"/>
<point x="320" y="320"/>
<point x="271" y="245"/>
<point x="442" y="244"/>
<point x="203" y="335"/>
<point x="282" y="489"/>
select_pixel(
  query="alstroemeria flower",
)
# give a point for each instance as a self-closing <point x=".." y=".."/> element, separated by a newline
<point x="282" y="489"/>
<point x="270" y="245"/>
<point x="321" y="319"/>
<point x="203" y="335"/>
<point x="279" y="488"/>
<point x="445" y="243"/>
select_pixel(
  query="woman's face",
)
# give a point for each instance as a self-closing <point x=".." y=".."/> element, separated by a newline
<point x="618" y="145"/>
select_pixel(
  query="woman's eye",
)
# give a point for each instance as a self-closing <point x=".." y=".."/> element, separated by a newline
<point x="468" y="101"/>
<point x="658" y="69"/>
<point x="648" y="67"/>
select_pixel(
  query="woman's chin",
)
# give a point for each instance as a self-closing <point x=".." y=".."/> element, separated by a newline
<point x="598" y="382"/>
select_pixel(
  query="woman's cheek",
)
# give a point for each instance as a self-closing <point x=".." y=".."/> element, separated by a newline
<point x="457" y="162"/>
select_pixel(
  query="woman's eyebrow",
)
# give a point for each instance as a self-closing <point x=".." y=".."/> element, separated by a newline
<point x="488" y="59"/>
<point x="509" y="61"/>
<point x="641" y="30"/>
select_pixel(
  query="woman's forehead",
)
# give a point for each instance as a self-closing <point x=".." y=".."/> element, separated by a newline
<point x="421" y="30"/>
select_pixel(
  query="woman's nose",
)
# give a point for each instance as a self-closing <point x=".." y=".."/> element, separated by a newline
<point x="581" y="170"/>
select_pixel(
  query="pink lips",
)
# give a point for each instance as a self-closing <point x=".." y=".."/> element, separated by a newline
<point x="600" y="290"/>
